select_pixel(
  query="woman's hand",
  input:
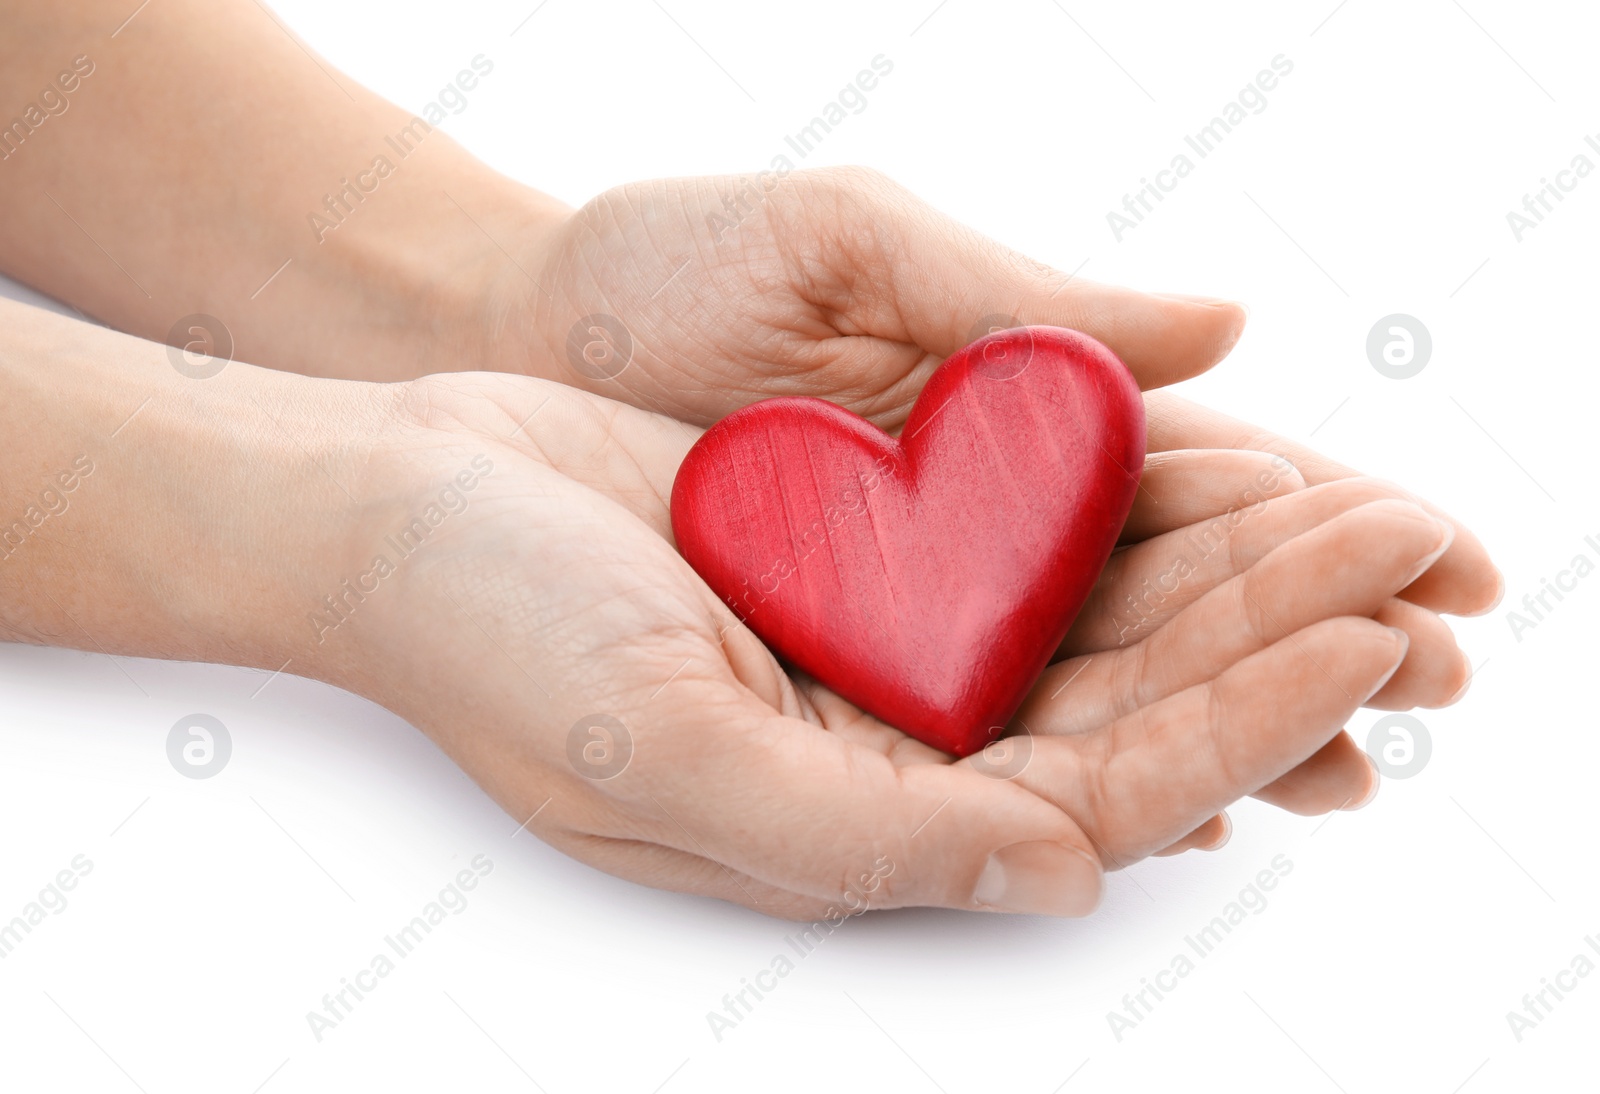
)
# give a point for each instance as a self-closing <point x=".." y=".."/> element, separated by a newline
<point x="488" y="556"/>
<point x="510" y="612"/>
<point x="836" y="283"/>
<point x="840" y="284"/>
<point x="549" y="637"/>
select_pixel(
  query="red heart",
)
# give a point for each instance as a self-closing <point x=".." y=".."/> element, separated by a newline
<point x="928" y="579"/>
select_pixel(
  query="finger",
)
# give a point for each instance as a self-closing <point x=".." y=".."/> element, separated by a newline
<point x="935" y="279"/>
<point x="1347" y="567"/>
<point x="1148" y="779"/>
<point x="660" y="867"/>
<point x="1183" y="488"/>
<point x="1337" y="776"/>
<point x="1140" y="588"/>
<point x="1464" y="582"/>
<point x="1213" y="835"/>
<point x="789" y="804"/>
<point x="1436" y="671"/>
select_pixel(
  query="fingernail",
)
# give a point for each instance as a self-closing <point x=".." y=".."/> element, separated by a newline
<point x="1372" y="791"/>
<point x="1290" y="472"/>
<point x="1039" y="878"/>
<point x="1227" y="833"/>
<point x="1405" y="644"/>
<point x="1447" y="534"/>
<point x="1284" y="476"/>
<point x="1208" y="301"/>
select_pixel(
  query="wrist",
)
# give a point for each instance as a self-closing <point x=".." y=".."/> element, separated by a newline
<point x="150" y="514"/>
<point x="430" y="275"/>
<point x="435" y="278"/>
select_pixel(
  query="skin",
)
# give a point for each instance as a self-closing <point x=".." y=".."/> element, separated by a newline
<point x="555" y="593"/>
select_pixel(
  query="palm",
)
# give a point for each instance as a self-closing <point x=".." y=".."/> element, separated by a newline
<point x="561" y="572"/>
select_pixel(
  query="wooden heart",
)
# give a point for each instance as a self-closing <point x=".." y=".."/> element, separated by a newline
<point x="927" y="579"/>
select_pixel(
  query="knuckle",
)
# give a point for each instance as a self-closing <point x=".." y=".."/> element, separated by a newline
<point x="1134" y="678"/>
<point x="851" y="178"/>
<point x="1250" y="611"/>
<point x="1217" y="733"/>
<point x="425" y="401"/>
<point x="1099" y="803"/>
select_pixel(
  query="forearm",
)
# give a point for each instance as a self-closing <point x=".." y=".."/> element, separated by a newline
<point x="209" y="164"/>
<point x="148" y="514"/>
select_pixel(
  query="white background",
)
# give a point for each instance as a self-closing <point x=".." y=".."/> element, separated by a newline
<point x="219" y="911"/>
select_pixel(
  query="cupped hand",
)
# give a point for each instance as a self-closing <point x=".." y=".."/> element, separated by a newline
<point x="840" y="284"/>
<point x="835" y="283"/>
<point x="550" y="638"/>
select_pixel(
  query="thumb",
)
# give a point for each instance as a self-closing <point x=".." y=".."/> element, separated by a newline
<point x="949" y="284"/>
<point x="795" y="806"/>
